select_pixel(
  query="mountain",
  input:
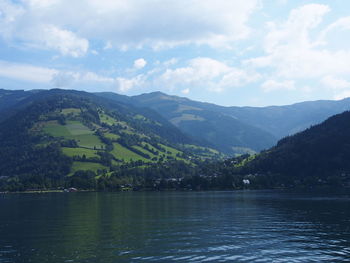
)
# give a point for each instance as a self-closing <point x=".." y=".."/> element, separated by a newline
<point x="59" y="138"/>
<point x="315" y="158"/>
<point x="10" y="100"/>
<point x="282" y="121"/>
<point x="317" y="155"/>
<point x="50" y="135"/>
<point x="232" y="130"/>
<point x="218" y="130"/>
<point x="236" y="129"/>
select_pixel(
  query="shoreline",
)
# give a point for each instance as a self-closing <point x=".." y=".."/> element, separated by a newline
<point x="181" y="190"/>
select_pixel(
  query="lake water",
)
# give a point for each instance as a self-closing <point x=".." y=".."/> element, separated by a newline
<point x="239" y="226"/>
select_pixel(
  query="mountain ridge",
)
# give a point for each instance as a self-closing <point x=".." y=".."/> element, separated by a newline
<point x="57" y="137"/>
<point x="273" y="121"/>
<point x="233" y="130"/>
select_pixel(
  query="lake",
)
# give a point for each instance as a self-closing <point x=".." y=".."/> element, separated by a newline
<point x="238" y="226"/>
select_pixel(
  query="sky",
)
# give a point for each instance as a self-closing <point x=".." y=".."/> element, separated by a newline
<point x="233" y="53"/>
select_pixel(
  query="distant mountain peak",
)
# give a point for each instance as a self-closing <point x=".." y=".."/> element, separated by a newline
<point x="158" y="95"/>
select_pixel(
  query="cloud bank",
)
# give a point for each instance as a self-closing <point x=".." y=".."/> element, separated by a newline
<point x="68" y="26"/>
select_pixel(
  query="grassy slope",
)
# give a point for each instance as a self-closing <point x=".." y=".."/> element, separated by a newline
<point x="125" y="154"/>
<point x="79" y="152"/>
<point x="86" y="166"/>
<point x="111" y="136"/>
<point x="88" y="142"/>
<point x="191" y="146"/>
<point x="85" y="138"/>
<point x="144" y="151"/>
<point x="104" y="118"/>
<point x="186" y="117"/>
<point x="73" y="111"/>
<point x="172" y="151"/>
<point x="74" y="130"/>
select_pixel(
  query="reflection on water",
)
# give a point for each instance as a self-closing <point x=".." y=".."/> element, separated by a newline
<point x="241" y="226"/>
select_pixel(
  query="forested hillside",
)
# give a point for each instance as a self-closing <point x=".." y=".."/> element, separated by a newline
<point x="55" y="134"/>
<point x="315" y="157"/>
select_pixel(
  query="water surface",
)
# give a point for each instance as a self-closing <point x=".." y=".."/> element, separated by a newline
<point x="240" y="226"/>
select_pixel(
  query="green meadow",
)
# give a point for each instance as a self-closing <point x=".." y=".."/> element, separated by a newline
<point x="73" y="111"/>
<point x="84" y="166"/>
<point x="104" y="118"/>
<point x="74" y="130"/>
<point x="111" y="136"/>
<point x="122" y="153"/>
<point x="172" y="151"/>
<point x="71" y="152"/>
<point x="139" y="148"/>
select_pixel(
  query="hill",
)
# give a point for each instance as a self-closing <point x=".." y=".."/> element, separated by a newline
<point x="317" y="156"/>
<point x="54" y="134"/>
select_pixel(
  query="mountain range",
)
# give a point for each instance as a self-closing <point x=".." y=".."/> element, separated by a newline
<point x="236" y="129"/>
<point x="52" y="138"/>
<point x="231" y="130"/>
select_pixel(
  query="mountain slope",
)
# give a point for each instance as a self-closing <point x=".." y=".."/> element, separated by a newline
<point x="262" y="126"/>
<point x="9" y="99"/>
<point x="279" y="121"/>
<point x="286" y="120"/>
<point x="320" y="151"/>
<point x="229" y="129"/>
<point x="219" y="130"/>
<point x="56" y="133"/>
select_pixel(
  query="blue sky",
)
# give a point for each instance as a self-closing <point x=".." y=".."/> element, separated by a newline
<point x="247" y="52"/>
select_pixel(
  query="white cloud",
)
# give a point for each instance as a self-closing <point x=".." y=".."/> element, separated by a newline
<point x="108" y="45"/>
<point x="295" y="31"/>
<point x="170" y="62"/>
<point x="339" y="87"/>
<point x="25" y="24"/>
<point x="273" y="85"/>
<point x="132" y="23"/>
<point x="292" y="53"/>
<point x="205" y="73"/>
<point x="342" y="95"/>
<point x="62" y="79"/>
<point x="25" y="72"/>
<point x="302" y="49"/>
<point x="62" y="40"/>
<point x="335" y="83"/>
<point x="185" y="91"/>
<point x="139" y="63"/>
<point x="124" y="84"/>
<point x="50" y="76"/>
<point x="198" y="73"/>
<point x="342" y="24"/>
<point x="93" y="77"/>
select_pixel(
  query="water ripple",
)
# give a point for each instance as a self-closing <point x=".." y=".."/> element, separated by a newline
<point x="176" y="227"/>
